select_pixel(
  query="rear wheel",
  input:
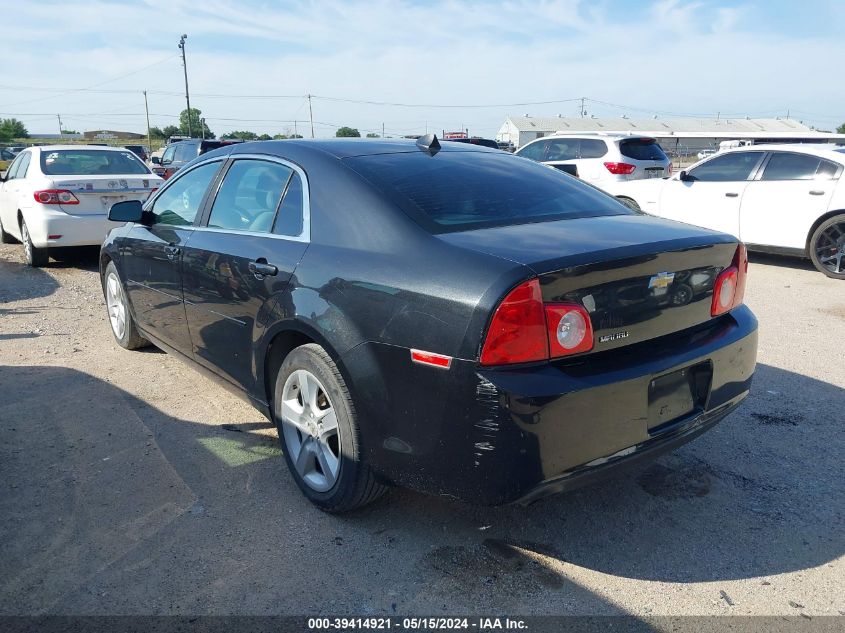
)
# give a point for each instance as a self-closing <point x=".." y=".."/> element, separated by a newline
<point x="6" y="238"/>
<point x="120" y="319"/>
<point x="34" y="256"/>
<point x="319" y="430"/>
<point x="827" y="247"/>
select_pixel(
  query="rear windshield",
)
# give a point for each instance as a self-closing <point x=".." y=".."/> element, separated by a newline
<point x="457" y="190"/>
<point x="642" y="149"/>
<point x="86" y="162"/>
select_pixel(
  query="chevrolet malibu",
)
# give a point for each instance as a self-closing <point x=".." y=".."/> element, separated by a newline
<point x="57" y="196"/>
<point x="451" y="319"/>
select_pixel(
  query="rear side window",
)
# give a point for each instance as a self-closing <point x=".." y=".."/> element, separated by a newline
<point x="456" y="190"/>
<point x="787" y="166"/>
<point x="562" y="149"/>
<point x="534" y="151"/>
<point x="593" y="148"/>
<point x="827" y="170"/>
<point x="642" y="149"/>
<point x="248" y="198"/>
<point x="86" y="162"/>
<point x="290" y="217"/>
<point x="732" y="167"/>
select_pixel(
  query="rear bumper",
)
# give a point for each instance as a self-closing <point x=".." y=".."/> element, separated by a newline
<point x="515" y="435"/>
<point x="75" y="230"/>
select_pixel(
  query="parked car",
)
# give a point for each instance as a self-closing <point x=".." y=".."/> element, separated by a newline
<point x="705" y="153"/>
<point x="600" y="158"/>
<point x="475" y="140"/>
<point x="6" y="157"/>
<point x="139" y="150"/>
<point x="448" y="318"/>
<point x="59" y="195"/>
<point x="179" y="153"/>
<point x="783" y="199"/>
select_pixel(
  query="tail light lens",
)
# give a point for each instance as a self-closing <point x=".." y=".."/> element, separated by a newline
<point x="620" y="168"/>
<point x="729" y="289"/>
<point x="524" y="330"/>
<point x="55" y="196"/>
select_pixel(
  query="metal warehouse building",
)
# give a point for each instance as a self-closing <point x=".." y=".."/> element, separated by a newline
<point x="679" y="136"/>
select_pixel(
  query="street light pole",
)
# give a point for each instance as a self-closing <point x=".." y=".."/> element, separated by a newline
<point x="185" y="67"/>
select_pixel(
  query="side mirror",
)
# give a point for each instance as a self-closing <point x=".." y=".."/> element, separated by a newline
<point x="684" y="176"/>
<point x="126" y="211"/>
<point x="155" y="160"/>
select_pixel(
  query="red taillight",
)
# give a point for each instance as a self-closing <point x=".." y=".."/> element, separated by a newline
<point x="620" y="168"/>
<point x="729" y="289"/>
<point x="517" y="333"/>
<point x="55" y="196"/>
<point x="525" y="330"/>
<point x="570" y="330"/>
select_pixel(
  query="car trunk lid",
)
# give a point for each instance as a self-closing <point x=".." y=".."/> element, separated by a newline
<point x="97" y="193"/>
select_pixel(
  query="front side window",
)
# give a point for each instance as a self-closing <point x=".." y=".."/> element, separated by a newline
<point x="788" y="166"/>
<point x="562" y="149"/>
<point x="179" y="203"/>
<point x="167" y="157"/>
<point x="185" y="151"/>
<point x="534" y="151"/>
<point x="89" y="162"/>
<point x="248" y="198"/>
<point x="12" y="172"/>
<point x="733" y="167"/>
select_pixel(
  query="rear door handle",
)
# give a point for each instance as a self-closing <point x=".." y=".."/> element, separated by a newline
<point x="731" y="194"/>
<point x="172" y="252"/>
<point x="260" y="268"/>
<point x="816" y="192"/>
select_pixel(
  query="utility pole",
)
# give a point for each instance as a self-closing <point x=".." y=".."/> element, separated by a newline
<point x="185" y="67"/>
<point x="202" y="128"/>
<point x="582" y="111"/>
<point x="147" y="110"/>
<point x="382" y="129"/>
<point x="295" y="131"/>
<point x="59" y="117"/>
<point x="311" y="116"/>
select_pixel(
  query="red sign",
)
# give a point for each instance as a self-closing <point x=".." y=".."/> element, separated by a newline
<point x="451" y="135"/>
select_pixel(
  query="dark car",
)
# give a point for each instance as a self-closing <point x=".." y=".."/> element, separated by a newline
<point x="139" y="150"/>
<point x="462" y="322"/>
<point x="180" y="153"/>
<point x="475" y="140"/>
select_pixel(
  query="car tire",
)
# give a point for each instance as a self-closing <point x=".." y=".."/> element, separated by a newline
<point x="33" y="256"/>
<point x="629" y="202"/>
<point x="311" y="399"/>
<point x="122" y="324"/>
<point x="6" y="238"/>
<point x="827" y="247"/>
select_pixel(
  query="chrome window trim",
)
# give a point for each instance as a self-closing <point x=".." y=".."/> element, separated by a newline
<point x="305" y="234"/>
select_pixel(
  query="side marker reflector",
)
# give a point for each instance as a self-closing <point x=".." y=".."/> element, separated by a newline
<point x="430" y="358"/>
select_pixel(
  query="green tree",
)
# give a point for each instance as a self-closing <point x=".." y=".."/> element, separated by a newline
<point x="69" y="132"/>
<point x="279" y="137"/>
<point x="265" y="137"/>
<point x="12" y="129"/>
<point x="157" y="132"/>
<point x="373" y="135"/>
<point x="346" y="132"/>
<point x="244" y="135"/>
<point x="198" y="126"/>
<point x="171" y="130"/>
<point x="841" y="129"/>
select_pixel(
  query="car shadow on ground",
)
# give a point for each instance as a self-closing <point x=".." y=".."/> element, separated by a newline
<point x="112" y="506"/>
<point x="37" y="284"/>
<point x="785" y="261"/>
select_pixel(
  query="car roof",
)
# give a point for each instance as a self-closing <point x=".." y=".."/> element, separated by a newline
<point x="349" y="147"/>
<point x="599" y="135"/>
<point x="51" y="148"/>
<point x="826" y="150"/>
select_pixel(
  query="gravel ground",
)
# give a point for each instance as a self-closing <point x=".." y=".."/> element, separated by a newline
<point x="132" y="485"/>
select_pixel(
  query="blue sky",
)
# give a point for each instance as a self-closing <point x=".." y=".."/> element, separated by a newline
<point x="251" y="62"/>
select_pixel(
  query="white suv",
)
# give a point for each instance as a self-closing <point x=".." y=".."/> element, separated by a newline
<point x="599" y="158"/>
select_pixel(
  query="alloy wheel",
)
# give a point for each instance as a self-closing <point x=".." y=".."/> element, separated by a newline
<point x="27" y="243"/>
<point x="309" y="425"/>
<point x="116" y="305"/>
<point x="830" y="248"/>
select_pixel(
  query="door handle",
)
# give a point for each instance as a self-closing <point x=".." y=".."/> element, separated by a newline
<point x="731" y="194"/>
<point x="261" y="269"/>
<point x="816" y="192"/>
<point x="172" y="252"/>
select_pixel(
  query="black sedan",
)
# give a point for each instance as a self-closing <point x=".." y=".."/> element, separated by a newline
<point x="452" y="319"/>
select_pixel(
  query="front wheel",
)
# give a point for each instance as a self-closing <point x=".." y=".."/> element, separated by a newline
<point x="319" y="430"/>
<point x="121" y="321"/>
<point x="34" y="256"/>
<point x="827" y="247"/>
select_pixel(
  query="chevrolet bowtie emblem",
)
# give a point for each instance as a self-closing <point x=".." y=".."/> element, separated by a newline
<point x="661" y="280"/>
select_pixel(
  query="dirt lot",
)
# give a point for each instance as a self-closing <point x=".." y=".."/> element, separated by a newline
<point x="132" y="485"/>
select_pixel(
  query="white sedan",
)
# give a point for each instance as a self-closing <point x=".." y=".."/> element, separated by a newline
<point x="60" y="195"/>
<point x="783" y="199"/>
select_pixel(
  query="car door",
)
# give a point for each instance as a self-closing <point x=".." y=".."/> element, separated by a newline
<point x="712" y="191"/>
<point x="15" y="194"/>
<point x="791" y="193"/>
<point x="240" y="261"/>
<point x="151" y="256"/>
<point x="562" y="153"/>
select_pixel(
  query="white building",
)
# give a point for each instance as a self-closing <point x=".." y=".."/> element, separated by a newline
<point x="675" y="135"/>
